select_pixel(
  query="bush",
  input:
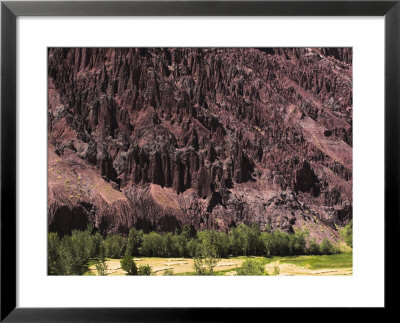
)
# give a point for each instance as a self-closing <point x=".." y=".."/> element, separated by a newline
<point x="326" y="247"/>
<point x="251" y="267"/>
<point x="144" y="270"/>
<point x="128" y="265"/>
<point x="313" y="248"/>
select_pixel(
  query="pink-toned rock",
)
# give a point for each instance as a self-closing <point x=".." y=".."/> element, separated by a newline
<point x="239" y="135"/>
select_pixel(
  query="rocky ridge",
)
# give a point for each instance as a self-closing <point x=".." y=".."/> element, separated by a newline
<point x="213" y="137"/>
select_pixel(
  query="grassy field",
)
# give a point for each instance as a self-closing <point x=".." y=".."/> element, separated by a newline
<point x="332" y="265"/>
<point x="339" y="264"/>
<point x="342" y="260"/>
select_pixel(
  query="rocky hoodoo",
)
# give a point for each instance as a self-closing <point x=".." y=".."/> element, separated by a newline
<point x="215" y="137"/>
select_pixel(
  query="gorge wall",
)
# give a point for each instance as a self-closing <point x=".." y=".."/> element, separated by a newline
<point x="210" y="137"/>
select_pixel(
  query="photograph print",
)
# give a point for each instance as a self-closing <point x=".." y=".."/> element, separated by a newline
<point x="199" y="161"/>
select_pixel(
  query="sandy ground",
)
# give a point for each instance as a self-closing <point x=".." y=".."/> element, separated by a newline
<point x="184" y="265"/>
<point x="294" y="270"/>
<point x="160" y="265"/>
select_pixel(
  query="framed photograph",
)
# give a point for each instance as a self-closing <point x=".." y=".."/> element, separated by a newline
<point x="190" y="160"/>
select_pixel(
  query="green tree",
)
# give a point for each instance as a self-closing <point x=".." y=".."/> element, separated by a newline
<point x="218" y="240"/>
<point x="238" y="241"/>
<point x="97" y="240"/>
<point x="179" y="245"/>
<point x="75" y="252"/>
<point x="347" y="234"/>
<point x="54" y="266"/>
<point x="193" y="246"/>
<point x="297" y="242"/>
<point x="134" y="241"/>
<point x="245" y="240"/>
<point x="222" y="244"/>
<point x="167" y="245"/>
<point x="267" y="243"/>
<point x="279" y="245"/>
<point x="101" y="266"/>
<point x="313" y="248"/>
<point x="199" y="266"/>
<point x="187" y="232"/>
<point x="152" y="245"/>
<point x="206" y="258"/>
<point x="327" y="248"/>
<point x="69" y="255"/>
<point x="114" y="246"/>
<point x="128" y="265"/>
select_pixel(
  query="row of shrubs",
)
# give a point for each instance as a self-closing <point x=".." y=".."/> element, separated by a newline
<point x="70" y="254"/>
<point x="240" y="241"/>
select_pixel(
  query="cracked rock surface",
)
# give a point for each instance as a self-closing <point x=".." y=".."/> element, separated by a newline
<point x="210" y="137"/>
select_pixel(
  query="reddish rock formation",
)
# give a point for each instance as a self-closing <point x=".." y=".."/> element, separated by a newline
<point x="207" y="137"/>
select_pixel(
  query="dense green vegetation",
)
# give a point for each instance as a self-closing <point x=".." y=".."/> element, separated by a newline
<point x="251" y="267"/>
<point x="144" y="270"/>
<point x="70" y="254"/>
<point x="205" y="257"/>
<point x="128" y="265"/>
<point x="347" y="234"/>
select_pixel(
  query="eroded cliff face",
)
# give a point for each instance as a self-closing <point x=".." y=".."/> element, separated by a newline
<point x="158" y="138"/>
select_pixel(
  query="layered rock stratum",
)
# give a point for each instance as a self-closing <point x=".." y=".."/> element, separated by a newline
<point x="210" y="137"/>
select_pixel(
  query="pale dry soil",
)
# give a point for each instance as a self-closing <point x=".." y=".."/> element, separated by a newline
<point x="185" y="265"/>
<point x="160" y="265"/>
<point x="294" y="270"/>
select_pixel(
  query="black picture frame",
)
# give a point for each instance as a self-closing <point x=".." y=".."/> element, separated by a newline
<point x="10" y="10"/>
